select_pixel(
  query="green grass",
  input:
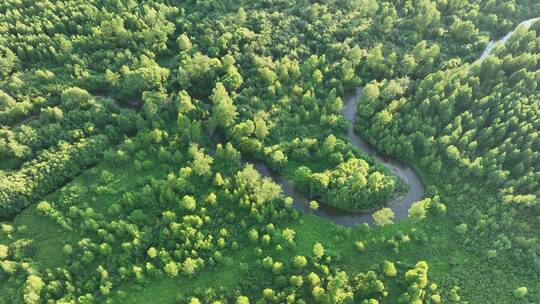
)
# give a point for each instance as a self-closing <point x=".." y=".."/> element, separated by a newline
<point x="47" y="235"/>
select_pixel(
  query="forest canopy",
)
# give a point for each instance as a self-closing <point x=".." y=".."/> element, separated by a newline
<point x="339" y="151"/>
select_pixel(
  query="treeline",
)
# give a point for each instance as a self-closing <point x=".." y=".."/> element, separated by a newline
<point x="55" y="147"/>
<point x="77" y="116"/>
<point x="46" y="173"/>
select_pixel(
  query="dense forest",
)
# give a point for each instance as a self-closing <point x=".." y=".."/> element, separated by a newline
<point x="148" y="150"/>
<point x="478" y="122"/>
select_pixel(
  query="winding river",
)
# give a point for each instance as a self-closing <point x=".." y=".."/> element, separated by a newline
<point x="399" y="205"/>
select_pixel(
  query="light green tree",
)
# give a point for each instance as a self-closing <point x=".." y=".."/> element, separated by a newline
<point x="418" y="210"/>
<point x="300" y="261"/>
<point x="383" y="217"/>
<point x="189" y="203"/>
<point x="183" y="42"/>
<point x="318" y="250"/>
<point x="389" y="269"/>
<point x="171" y="269"/>
<point x="313" y="205"/>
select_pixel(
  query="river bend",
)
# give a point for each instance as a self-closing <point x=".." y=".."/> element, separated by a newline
<point x="400" y="205"/>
